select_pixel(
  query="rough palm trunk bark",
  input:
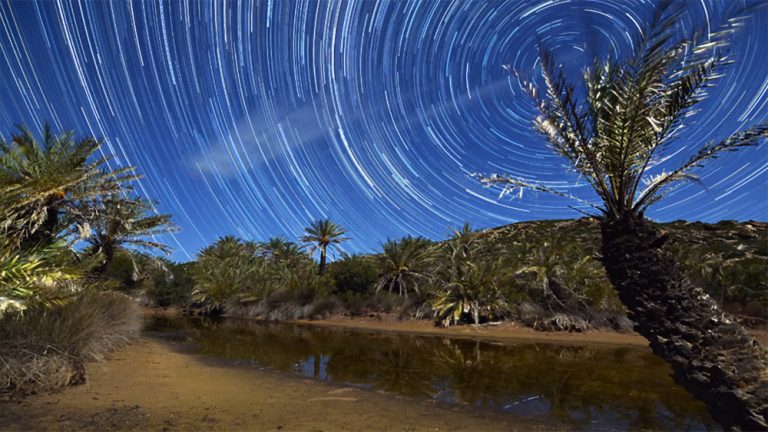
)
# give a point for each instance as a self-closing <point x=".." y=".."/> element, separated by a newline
<point x="109" y="255"/>
<point x="711" y="355"/>
<point x="46" y="233"/>
<point x="322" y="259"/>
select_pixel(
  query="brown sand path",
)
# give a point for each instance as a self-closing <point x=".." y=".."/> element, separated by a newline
<point x="151" y="386"/>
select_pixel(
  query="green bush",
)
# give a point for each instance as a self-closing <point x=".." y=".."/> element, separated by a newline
<point x="124" y="270"/>
<point x="170" y="285"/>
<point x="354" y="277"/>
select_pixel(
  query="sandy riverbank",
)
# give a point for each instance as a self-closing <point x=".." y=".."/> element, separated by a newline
<point x="502" y="332"/>
<point x="505" y="332"/>
<point x="151" y="386"/>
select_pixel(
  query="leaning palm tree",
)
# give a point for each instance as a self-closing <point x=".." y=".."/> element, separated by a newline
<point x="57" y="176"/>
<point x="122" y="223"/>
<point x="405" y="264"/>
<point x="616" y="141"/>
<point x="321" y="234"/>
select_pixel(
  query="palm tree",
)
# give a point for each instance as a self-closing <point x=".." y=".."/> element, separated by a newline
<point x="321" y="234"/>
<point x="634" y="109"/>
<point x="33" y="277"/>
<point x="222" y="270"/>
<point x="405" y="263"/>
<point x="126" y="223"/>
<point x="279" y="248"/>
<point x="57" y="176"/>
<point x="553" y="267"/>
<point x="467" y="278"/>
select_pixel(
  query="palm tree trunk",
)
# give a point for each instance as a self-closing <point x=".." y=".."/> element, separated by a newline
<point x="322" y="259"/>
<point x="711" y="355"/>
<point x="46" y="233"/>
<point x="109" y="254"/>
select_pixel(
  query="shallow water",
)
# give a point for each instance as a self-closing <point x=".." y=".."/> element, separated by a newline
<point x="578" y="387"/>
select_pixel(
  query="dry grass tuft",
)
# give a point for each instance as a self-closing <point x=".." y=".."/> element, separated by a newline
<point x="44" y="350"/>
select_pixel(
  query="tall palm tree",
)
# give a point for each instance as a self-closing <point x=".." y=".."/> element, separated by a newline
<point x="405" y="263"/>
<point x="321" y="234"/>
<point x="126" y="223"/>
<point x="57" y="176"/>
<point x="615" y="140"/>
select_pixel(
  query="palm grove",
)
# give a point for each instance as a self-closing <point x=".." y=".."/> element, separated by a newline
<point x="74" y="236"/>
<point x="64" y="214"/>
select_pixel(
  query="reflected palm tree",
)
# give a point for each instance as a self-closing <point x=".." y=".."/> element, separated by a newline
<point x="399" y="369"/>
<point x="580" y="387"/>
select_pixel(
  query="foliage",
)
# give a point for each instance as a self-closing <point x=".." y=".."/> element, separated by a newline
<point x="51" y="186"/>
<point x="323" y="233"/>
<point x="632" y="114"/>
<point x="34" y="277"/>
<point x="272" y="280"/>
<point x="405" y="265"/>
<point x="126" y="222"/>
<point x="541" y="273"/>
<point x="46" y="351"/>
<point x="124" y="269"/>
<point x="54" y="317"/>
<point x="354" y="276"/>
<point x="168" y="283"/>
<point x="223" y="269"/>
<point x="462" y="279"/>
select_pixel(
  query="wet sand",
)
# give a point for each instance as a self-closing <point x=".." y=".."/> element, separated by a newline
<point x="150" y="385"/>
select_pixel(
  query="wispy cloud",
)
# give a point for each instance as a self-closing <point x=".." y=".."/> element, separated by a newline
<point x="256" y="140"/>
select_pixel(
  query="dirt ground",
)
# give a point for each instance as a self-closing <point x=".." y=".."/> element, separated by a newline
<point x="151" y="386"/>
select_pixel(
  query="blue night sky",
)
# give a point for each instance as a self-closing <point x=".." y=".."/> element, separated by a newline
<point x="253" y="119"/>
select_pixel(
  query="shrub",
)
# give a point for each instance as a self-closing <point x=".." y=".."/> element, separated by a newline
<point x="354" y="277"/>
<point x="47" y="350"/>
<point x="169" y="285"/>
<point x="123" y="269"/>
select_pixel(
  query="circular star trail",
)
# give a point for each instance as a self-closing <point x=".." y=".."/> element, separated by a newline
<point x="255" y="118"/>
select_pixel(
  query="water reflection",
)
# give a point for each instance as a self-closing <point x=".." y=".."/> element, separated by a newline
<point x="581" y="387"/>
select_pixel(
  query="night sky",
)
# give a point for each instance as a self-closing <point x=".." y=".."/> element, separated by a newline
<point x="253" y="119"/>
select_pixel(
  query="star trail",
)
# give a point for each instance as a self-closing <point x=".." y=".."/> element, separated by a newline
<point x="255" y="118"/>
